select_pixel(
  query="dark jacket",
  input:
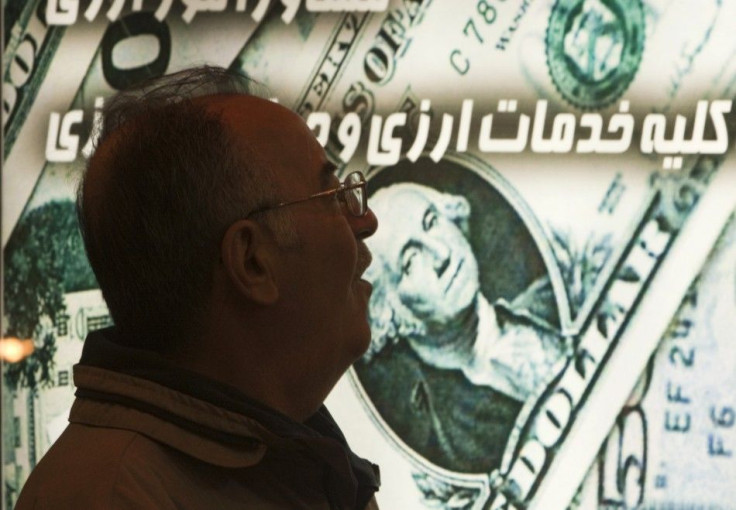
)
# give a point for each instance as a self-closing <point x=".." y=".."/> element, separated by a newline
<point x="145" y="434"/>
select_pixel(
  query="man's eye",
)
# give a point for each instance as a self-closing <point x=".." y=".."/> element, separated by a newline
<point x="430" y="220"/>
<point x="407" y="261"/>
<point x="337" y="200"/>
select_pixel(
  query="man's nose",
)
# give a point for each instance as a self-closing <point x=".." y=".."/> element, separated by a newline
<point x="363" y="226"/>
<point x="440" y="255"/>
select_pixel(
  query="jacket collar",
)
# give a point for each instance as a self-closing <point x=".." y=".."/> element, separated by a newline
<point x="138" y="390"/>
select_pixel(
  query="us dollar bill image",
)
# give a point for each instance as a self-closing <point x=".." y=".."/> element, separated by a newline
<point x="436" y="409"/>
<point x="477" y="373"/>
<point x="673" y="443"/>
<point x="503" y="278"/>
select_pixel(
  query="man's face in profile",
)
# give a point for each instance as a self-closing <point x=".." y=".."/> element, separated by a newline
<point x="435" y="268"/>
<point x="320" y="285"/>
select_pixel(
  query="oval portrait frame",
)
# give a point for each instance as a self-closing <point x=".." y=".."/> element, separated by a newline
<point x="474" y="171"/>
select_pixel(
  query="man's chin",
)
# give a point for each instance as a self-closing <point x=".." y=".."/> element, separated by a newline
<point x="366" y="286"/>
<point x="465" y="310"/>
<point x="465" y="297"/>
<point x="362" y="342"/>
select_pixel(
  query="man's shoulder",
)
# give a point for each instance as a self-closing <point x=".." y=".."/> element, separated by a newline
<point x="98" y="468"/>
<point x="82" y="468"/>
<point x="86" y="450"/>
<point x="110" y="468"/>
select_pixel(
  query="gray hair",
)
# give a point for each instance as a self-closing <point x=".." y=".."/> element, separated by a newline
<point x="172" y="183"/>
<point x="390" y="319"/>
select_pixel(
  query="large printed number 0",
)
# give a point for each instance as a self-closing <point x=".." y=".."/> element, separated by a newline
<point x="135" y="24"/>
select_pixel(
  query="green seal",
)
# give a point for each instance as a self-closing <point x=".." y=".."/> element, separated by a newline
<point x="594" y="49"/>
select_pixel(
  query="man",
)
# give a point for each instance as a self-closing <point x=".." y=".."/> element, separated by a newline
<point x="467" y="365"/>
<point x="230" y="258"/>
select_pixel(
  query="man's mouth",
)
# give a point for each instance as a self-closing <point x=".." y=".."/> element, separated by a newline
<point x="454" y="275"/>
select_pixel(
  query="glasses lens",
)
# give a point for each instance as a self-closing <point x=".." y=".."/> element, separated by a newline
<point x="355" y="194"/>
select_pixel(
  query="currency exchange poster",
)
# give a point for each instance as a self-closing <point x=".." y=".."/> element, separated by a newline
<point x="553" y="313"/>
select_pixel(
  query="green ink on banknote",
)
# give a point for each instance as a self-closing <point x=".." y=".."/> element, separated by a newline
<point x="594" y="49"/>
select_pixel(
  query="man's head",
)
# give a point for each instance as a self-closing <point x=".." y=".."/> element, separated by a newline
<point x="165" y="208"/>
<point x="425" y="271"/>
<point x="164" y="183"/>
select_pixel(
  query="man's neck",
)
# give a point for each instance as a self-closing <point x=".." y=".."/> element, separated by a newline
<point x="261" y="376"/>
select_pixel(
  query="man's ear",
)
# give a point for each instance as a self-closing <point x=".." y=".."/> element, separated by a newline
<point x="247" y="258"/>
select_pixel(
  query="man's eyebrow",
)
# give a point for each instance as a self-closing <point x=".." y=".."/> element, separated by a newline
<point x="430" y="210"/>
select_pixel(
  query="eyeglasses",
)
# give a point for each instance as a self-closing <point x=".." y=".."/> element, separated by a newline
<point x="351" y="192"/>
